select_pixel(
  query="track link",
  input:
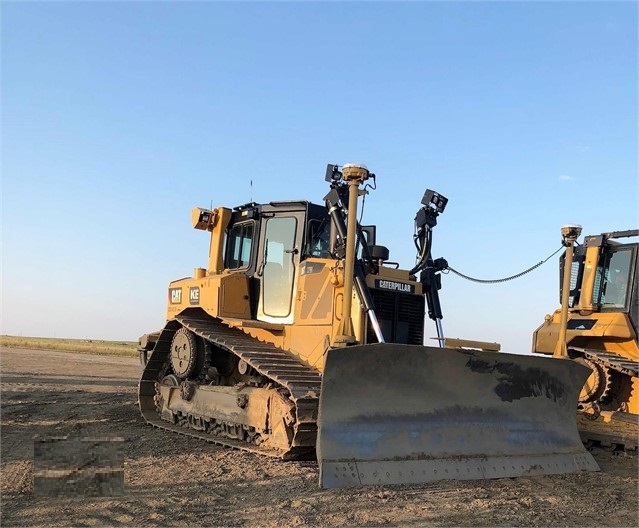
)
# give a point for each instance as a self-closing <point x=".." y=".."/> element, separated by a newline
<point x="610" y="360"/>
<point x="281" y="368"/>
<point x="620" y="430"/>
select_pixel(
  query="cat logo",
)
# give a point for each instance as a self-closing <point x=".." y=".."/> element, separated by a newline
<point x="175" y="295"/>
<point x="395" y="286"/>
<point x="194" y="295"/>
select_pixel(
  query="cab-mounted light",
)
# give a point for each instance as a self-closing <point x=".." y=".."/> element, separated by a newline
<point x="203" y="219"/>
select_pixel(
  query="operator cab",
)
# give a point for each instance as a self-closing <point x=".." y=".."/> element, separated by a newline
<point x="268" y="242"/>
<point x="615" y="285"/>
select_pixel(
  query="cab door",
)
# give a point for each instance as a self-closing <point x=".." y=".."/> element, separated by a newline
<point x="278" y="268"/>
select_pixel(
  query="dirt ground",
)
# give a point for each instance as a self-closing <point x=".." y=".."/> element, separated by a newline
<point x="172" y="480"/>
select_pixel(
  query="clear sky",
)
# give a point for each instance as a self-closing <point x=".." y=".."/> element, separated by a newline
<point x="118" y="118"/>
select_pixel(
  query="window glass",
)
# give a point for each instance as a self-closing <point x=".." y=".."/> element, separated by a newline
<point x="616" y="276"/>
<point x="319" y="238"/>
<point x="239" y="244"/>
<point x="575" y="281"/>
<point x="365" y="240"/>
<point x="278" y="275"/>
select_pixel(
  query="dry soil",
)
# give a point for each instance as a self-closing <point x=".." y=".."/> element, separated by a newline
<point x="173" y="480"/>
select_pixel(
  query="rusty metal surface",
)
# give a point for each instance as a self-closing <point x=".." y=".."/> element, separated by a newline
<point x="393" y="414"/>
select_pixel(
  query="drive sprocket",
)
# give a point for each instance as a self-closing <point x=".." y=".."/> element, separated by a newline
<point x="597" y="386"/>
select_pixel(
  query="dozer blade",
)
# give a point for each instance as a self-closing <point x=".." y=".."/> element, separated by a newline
<point x="407" y="414"/>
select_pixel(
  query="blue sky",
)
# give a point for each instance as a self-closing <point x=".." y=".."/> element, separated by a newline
<point x="118" y="118"/>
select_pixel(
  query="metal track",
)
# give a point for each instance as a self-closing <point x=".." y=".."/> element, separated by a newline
<point x="619" y="434"/>
<point x="622" y="428"/>
<point x="610" y="360"/>
<point x="285" y="370"/>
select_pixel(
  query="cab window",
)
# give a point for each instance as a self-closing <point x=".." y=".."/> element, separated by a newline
<point x="279" y="273"/>
<point x="318" y="237"/>
<point x="239" y="243"/>
<point x="614" y="278"/>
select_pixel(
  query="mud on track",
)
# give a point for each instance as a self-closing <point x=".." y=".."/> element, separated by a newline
<point x="172" y="480"/>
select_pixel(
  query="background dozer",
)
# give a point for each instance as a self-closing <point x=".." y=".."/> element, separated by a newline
<point x="302" y="339"/>
<point x="597" y="326"/>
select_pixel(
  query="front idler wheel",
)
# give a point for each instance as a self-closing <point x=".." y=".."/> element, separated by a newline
<point x="186" y="357"/>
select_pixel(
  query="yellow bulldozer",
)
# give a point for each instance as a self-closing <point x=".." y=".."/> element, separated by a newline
<point x="301" y="339"/>
<point x="597" y="326"/>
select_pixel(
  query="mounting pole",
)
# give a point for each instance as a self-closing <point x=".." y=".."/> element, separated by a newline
<point x="337" y="213"/>
<point x="354" y="175"/>
<point x="570" y="234"/>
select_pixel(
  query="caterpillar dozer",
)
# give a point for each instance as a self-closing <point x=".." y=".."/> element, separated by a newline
<point x="301" y="339"/>
<point x="597" y="326"/>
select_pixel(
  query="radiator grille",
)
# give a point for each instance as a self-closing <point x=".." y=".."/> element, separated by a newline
<point x="400" y="316"/>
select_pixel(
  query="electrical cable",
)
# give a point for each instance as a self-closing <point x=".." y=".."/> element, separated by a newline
<point x="495" y="281"/>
